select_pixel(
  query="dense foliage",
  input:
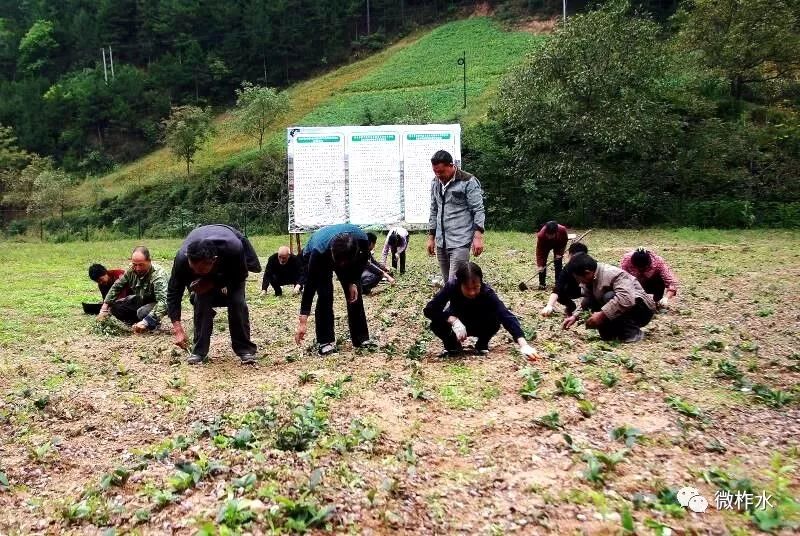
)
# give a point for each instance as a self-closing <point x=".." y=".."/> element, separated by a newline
<point x="615" y="121"/>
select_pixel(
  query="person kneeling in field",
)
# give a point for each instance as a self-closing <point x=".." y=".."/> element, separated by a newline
<point x="146" y="303"/>
<point x="213" y="263"/>
<point x="566" y="289"/>
<point x="620" y="304"/>
<point x="343" y="249"/>
<point x="283" y="268"/>
<point x="374" y="272"/>
<point x="653" y="273"/>
<point x="105" y="280"/>
<point x="474" y="310"/>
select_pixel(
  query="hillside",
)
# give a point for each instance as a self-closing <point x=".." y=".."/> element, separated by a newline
<point x="421" y="67"/>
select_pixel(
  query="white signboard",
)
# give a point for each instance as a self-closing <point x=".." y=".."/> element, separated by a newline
<point x="375" y="176"/>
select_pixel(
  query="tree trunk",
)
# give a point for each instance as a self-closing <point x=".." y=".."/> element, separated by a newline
<point x="187" y="168"/>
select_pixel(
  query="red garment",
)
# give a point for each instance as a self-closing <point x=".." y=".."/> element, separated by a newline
<point x="658" y="266"/>
<point x="115" y="274"/>
<point x="545" y="245"/>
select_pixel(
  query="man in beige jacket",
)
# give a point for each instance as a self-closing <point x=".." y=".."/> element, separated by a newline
<point x="619" y="304"/>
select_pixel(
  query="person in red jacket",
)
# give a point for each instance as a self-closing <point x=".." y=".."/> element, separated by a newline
<point x="105" y="279"/>
<point x="551" y="237"/>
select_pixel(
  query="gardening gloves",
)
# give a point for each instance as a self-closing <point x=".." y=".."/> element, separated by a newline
<point x="547" y="310"/>
<point x="663" y="302"/>
<point x="460" y="330"/>
<point x="526" y="349"/>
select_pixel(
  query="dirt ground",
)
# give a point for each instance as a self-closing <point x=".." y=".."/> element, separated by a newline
<point x="104" y="431"/>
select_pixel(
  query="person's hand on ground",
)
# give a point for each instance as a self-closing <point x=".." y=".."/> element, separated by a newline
<point x="431" y="245"/>
<point x="547" y="310"/>
<point x="527" y="350"/>
<point x="390" y="279"/>
<point x="140" y="327"/>
<point x="300" y="332"/>
<point x="569" y="322"/>
<point x="262" y="293"/>
<point x="104" y="312"/>
<point x="664" y="302"/>
<point x="459" y="329"/>
<point x="296" y="289"/>
<point x="352" y="293"/>
<point x="179" y="335"/>
<point x="596" y="319"/>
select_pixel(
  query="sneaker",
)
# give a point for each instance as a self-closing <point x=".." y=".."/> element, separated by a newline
<point x="195" y="359"/>
<point x="638" y="336"/>
<point x="481" y="351"/>
<point x="451" y="353"/>
<point x="369" y="344"/>
<point x="326" y="349"/>
<point x="248" y="359"/>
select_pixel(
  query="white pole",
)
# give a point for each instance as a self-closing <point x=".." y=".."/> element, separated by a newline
<point x="105" y="72"/>
<point x="565" y="10"/>
<point x="111" y="56"/>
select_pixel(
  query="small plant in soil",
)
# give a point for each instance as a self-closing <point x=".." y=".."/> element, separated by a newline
<point x="551" y="420"/>
<point x="570" y="385"/>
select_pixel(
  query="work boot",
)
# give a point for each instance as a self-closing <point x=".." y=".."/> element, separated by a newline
<point x="248" y="359"/>
<point x="195" y="359"/>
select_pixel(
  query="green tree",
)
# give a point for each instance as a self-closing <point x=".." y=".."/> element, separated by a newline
<point x="185" y="131"/>
<point x="36" y="48"/>
<point x="748" y="42"/>
<point x="256" y="108"/>
<point x="12" y="159"/>
<point x="22" y="184"/>
<point x="48" y="191"/>
<point x="587" y="120"/>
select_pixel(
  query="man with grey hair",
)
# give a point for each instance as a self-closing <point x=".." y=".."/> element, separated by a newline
<point x="146" y="301"/>
<point x="283" y="268"/>
<point x="457" y="216"/>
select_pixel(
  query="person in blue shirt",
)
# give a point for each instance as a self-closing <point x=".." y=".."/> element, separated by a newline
<point x="467" y="307"/>
<point x="342" y="249"/>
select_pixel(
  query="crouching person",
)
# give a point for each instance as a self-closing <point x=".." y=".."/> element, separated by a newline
<point x="474" y="310"/>
<point x="213" y="263"/>
<point x="146" y="299"/>
<point x="619" y="304"/>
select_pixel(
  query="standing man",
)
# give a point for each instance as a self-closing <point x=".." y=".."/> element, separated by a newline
<point x="653" y="273"/>
<point x="213" y="263"/>
<point x="343" y="249"/>
<point x="146" y="302"/>
<point x="619" y="303"/>
<point x="283" y="268"/>
<point x="551" y="237"/>
<point x="457" y="217"/>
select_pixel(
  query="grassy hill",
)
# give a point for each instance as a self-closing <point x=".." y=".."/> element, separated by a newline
<point x="422" y="66"/>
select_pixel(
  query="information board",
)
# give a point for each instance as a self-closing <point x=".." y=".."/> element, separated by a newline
<point x="374" y="176"/>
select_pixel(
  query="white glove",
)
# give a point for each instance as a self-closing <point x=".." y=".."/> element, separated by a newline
<point x="528" y="351"/>
<point x="548" y="310"/>
<point x="460" y="330"/>
<point x="664" y="301"/>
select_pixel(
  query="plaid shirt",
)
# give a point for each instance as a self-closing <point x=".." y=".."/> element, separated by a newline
<point x="658" y="266"/>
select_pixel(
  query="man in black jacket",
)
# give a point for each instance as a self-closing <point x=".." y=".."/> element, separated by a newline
<point x="283" y="268"/>
<point x="213" y="263"/>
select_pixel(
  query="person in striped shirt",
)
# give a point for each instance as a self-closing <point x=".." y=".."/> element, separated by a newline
<point x="653" y="273"/>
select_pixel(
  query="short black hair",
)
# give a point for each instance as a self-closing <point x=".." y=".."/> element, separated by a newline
<point x="580" y="264"/>
<point x="96" y="271"/>
<point x="441" y="157"/>
<point x="641" y="258"/>
<point x="577" y="247"/>
<point x="372" y="237"/>
<point x="202" y="250"/>
<point x="467" y="272"/>
<point x="344" y="248"/>
<point x="143" y="250"/>
<point x="551" y="227"/>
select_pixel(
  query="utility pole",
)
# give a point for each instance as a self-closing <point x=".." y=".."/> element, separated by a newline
<point x="368" y="31"/>
<point x="565" y="10"/>
<point x="463" y="62"/>
<point x="105" y="71"/>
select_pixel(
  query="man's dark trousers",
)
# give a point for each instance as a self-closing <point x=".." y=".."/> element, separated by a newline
<point x="356" y="317"/>
<point x="130" y="309"/>
<point x="627" y="324"/>
<point x="656" y="287"/>
<point x="238" y="320"/>
<point x="277" y="282"/>
<point x="481" y="328"/>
